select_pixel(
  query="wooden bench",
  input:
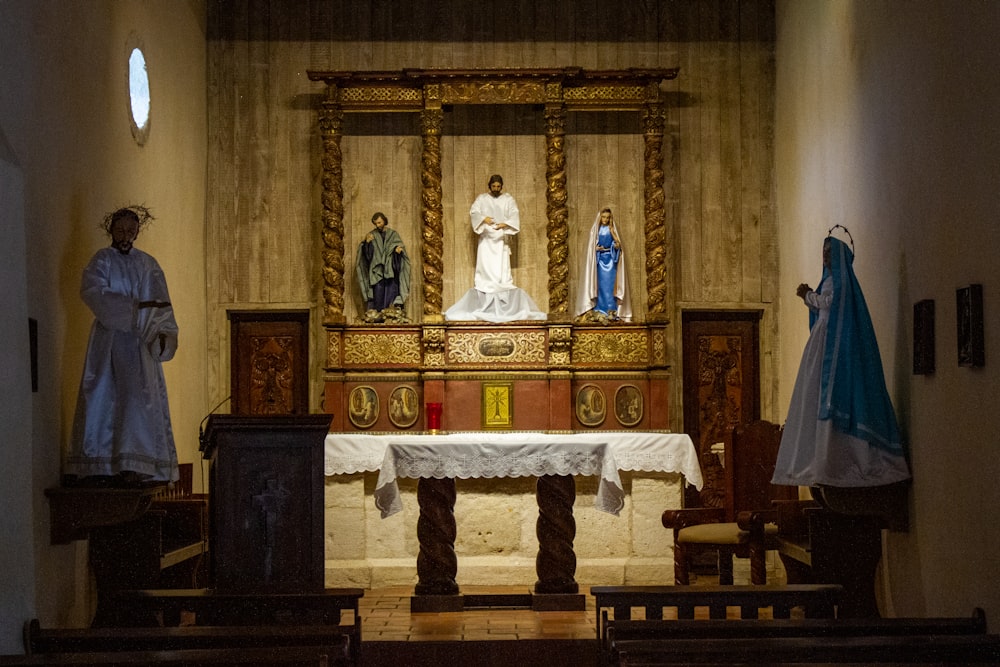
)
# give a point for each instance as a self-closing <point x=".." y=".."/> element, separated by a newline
<point x="212" y="607"/>
<point x="725" y="641"/>
<point x="284" y="656"/>
<point x="215" y="608"/>
<point x="816" y="601"/>
<point x="898" y="649"/>
<point x="338" y="642"/>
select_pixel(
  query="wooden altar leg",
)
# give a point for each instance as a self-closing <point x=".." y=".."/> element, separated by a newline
<point x="437" y="564"/>
<point x="556" y="528"/>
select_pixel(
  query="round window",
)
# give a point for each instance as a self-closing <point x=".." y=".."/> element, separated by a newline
<point x="138" y="95"/>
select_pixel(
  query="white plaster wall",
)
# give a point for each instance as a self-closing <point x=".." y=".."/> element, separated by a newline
<point x="886" y="123"/>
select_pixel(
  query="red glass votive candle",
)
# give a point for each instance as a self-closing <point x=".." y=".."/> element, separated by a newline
<point x="433" y="417"/>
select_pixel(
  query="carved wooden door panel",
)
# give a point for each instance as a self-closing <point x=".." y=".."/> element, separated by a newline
<point x="269" y="360"/>
<point x="721" y="387"/>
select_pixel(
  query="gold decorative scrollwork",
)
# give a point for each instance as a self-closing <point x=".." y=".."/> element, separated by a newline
<point x="659" y="347"/>
<point x="381" y="97"/>
<point x="465" y="348"/>
<point x="371" y="349"/>
<point x="332" y="349"/>
<point x="493" y="92"/>
<point x="612" y="346"/>
<point x="433" y="341"/>
<point x="601" y="95"/>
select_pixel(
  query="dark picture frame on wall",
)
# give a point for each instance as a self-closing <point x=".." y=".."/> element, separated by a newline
<point x="923" y="337"/>
<point x="969" y="309"/>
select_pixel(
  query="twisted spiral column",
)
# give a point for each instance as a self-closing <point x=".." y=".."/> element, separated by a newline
<point x="432" y="211"/>
<point x="557" y="212"/>
<point x="653" y="121"/>
<point x="332" y="199"/>
<point x="437" y="563"/>
<point x="555" y="563"/>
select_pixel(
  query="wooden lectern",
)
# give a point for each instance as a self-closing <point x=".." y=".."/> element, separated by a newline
<point x="266" y="502"/>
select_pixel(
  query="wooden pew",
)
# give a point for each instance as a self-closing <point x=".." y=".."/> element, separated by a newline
<point x="215" y="608"/>
<point x="816" y="601"/>
<point x="283" y="656"/>
<point x="641" y="638"/>
<point x="899" y="649"/>
<point x="654" y="641"/>
<point x="337" y="642"/>
<point x="212" y="607"/>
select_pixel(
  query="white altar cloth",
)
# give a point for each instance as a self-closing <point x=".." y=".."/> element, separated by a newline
<point x="503" y="453"/>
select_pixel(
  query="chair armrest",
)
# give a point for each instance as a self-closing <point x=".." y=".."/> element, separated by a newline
<point x="677" y="519"/>
<point x="755" y="520"/>
<point x="792" y="515"/>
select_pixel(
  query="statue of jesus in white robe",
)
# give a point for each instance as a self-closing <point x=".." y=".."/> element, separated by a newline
<point x="495" y="219"/>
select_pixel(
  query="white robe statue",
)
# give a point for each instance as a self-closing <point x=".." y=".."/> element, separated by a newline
<point x="122" y="421"/>
<point x="495" y="298"/>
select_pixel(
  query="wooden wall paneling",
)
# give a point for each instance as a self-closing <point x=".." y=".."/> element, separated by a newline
<point x="289" y="279"/>
<point x="714" y="260"/>
<point x="563" y="28"/>
<point x="582" y="31"/>
<point x="606" y="45"/>
<point x="342" y="49"/>
<point x="478" y="51"/>
<point x="458" y="181"/>
<point x="693" y="159"/>
<point x="406" y="181"/>
<point x="632" y="223"/>
<point x="253" y="245"/>
<point x="530" y="245"/>
<point x="302" y="154"/>
<point x="365" y="37"/>
<point x="751" y="88"/>
<point x="320" y="28"/>
<point x="223" y="177"/>
<point x="357" y="177"/>
<point x="768" y="225"/>
<point x="579" y="194"/>
<point x="728" y="284"/>
<point x="543" y="21"/>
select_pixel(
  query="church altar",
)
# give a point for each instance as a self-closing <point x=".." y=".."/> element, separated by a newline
<point x="436" y="460"/>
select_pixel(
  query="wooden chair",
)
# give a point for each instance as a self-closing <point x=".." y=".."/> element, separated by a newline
<point x="744" y="526"/>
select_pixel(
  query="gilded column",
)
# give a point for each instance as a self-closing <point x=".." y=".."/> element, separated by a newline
<point x="332" y="198"/>
<point x="557" y="213"/>
<point x="431" y="120"/>
<point x="653" y="121"/>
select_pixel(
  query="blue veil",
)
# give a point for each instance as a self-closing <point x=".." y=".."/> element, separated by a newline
<point x="852" y="391"/>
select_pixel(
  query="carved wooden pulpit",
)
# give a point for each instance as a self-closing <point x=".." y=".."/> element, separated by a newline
<point x="266" y="502"/>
